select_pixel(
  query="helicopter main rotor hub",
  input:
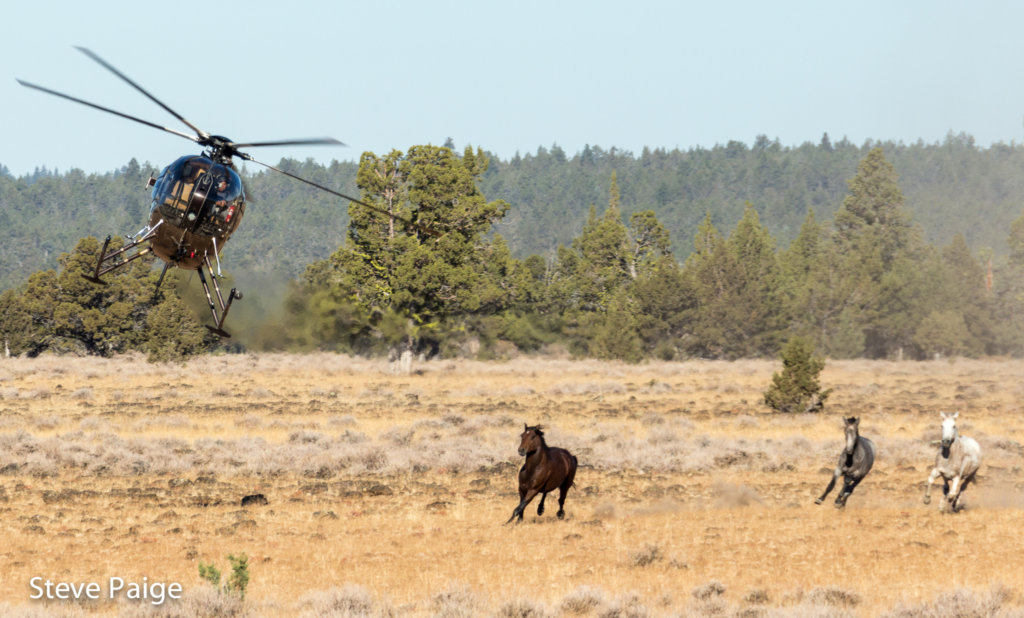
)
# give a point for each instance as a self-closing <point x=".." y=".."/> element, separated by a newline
<point x="219" y="149"/>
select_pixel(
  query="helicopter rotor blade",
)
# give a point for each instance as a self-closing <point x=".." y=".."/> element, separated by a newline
<point x="108" y="110"/>
<point x="312" y="141"/>
<point x="376" y="209"/>
<point x="109" y="67"/>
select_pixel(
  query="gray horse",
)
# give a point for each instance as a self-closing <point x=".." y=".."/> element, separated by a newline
<point x="956" y="462"/>
<point x="854" y="462"/>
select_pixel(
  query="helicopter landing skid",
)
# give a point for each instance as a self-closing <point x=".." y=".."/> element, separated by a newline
<point x="109" y="262"/>
<point x="218" y="318"/>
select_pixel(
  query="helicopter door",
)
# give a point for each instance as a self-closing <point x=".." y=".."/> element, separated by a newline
<point x="194" y="212"/>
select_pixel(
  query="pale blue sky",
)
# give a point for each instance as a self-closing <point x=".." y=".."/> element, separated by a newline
<point x="508" y="77"/>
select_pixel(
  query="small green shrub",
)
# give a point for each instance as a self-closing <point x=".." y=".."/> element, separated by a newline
<point x="797" y="389"/>
<point x="237" y="582"/>
<point x="209" y="573"/>
<point x="239" y="579"/>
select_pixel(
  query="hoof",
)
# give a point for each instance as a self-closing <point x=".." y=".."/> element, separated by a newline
<point x="818" y="501"/>
<point x="561" y="514"/>
<point x="927" y="499"/>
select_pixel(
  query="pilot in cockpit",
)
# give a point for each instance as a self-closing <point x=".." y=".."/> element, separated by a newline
<point x="222" y="190"/>
<point x="220" y="197"/>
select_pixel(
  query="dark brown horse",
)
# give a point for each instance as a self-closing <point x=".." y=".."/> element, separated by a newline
<point x="546" y="469"/>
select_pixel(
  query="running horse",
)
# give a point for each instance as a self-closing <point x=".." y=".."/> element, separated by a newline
<point x="854" y="462"/>
<point x="547" y="468"/>
<point x="956" y="462"/>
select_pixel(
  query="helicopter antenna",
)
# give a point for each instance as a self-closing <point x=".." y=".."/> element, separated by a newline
<point x="376" y="209"/>
<point x="202" y="134"/>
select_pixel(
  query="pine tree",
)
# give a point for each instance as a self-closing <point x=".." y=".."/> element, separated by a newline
<point x="796" y="388"/>
<point x="422" y="260"/>
<point x="1008" y="295"/>
<point x="738" y="289"/>
<point x="62" y="312"/>
<point x="759" y="288"/>
<point x="879" y="253"/>
<point x="873" y="210"/>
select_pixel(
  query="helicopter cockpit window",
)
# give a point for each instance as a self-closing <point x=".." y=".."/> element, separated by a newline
<point x="224" y="201"/>
<point x="227" y="187"/>
<point x="172" y="193"/>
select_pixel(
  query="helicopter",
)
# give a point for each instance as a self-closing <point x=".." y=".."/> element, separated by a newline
<point x="197" y="202"/>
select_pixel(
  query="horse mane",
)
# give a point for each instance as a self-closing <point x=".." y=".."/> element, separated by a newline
<point x="537" y="429"/>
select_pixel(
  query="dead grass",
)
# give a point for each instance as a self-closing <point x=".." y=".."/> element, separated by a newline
<point x="387" y="493"/>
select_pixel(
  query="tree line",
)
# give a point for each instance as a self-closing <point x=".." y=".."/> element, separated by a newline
<point x="430" y="272"/>
<point x="950" y="187"/>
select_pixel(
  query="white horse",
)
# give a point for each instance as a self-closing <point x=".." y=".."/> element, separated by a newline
<point x="956" y="462"/>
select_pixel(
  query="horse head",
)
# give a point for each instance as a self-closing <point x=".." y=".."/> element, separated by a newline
<point x="852" y="431"/>
<point x="949" y="433"/>
<point x="531" y="439"/>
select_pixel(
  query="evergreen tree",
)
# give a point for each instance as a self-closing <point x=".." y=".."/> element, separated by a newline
<point x="595" y="280"/>
<point x="800" y="266"/>
<point x="650" y="242"/>
<point x="879" y="253"/>
<point x="759" y="288"/>
<point x="738" y="288"/>
<point x="963" y="289"/>
<point x="1008" y="292"/>
<point x="62" y="312"/>
<point x="709" y="271"/>
<point x="797" y="388"/>
<point x="614" y="332"/>
<point x="666" y="303"/>
<point x="418" y="263"/>
<point x="873" y="210"/>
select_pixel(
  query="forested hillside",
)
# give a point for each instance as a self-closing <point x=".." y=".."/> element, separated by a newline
<point x="287" y="224"/>
<point x="952" y="187"/>
<point x="721" y="253"/>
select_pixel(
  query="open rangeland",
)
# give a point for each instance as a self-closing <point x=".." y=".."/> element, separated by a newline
<point x="386" y="494"/>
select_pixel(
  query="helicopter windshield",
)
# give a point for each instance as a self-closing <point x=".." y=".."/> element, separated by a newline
<point x="198" y="194"/>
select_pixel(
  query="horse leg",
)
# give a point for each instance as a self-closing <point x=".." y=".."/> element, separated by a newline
<point x="963" y="486"/>
<point x="831" y="484"/>
<point x="849" y="487"/>
<point x="945" y="494"/>
<point x="928" y="488"/>
<point x="845" y="492"/>
<point x="540" y="507"/>
<point x="960" y="484"/>
<point x="954" y="493"/>
<point x="518" y="512"/>
<point x="563" y="490"/>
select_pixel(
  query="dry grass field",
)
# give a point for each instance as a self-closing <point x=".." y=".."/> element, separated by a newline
<point x="387" y="494"/>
